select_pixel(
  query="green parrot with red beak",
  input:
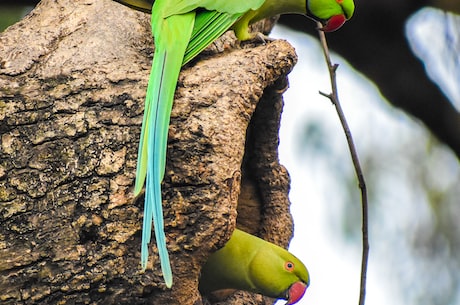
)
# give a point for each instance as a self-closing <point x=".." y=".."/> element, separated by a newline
<point x="249" y="263"/>
<point x="181" y="30"/>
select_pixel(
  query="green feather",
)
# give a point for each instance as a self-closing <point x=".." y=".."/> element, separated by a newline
<point x="324" y="9"/>
<point x="171" y="39"/>
<point x="249" y="263"/>
<point x="209" y="26"/>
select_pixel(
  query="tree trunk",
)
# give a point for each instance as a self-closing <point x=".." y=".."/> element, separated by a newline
<point x="73" y="76"/>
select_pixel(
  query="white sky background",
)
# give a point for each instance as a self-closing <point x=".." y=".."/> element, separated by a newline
<point x="334" y="266"/>
<point x="437" y="49"/>
<point x="317" y="191"/>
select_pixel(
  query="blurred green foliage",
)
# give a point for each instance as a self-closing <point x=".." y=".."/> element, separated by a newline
<point x="9" y="14"/>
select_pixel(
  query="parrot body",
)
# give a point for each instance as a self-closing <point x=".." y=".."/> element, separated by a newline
<point x="181" y="30"/>
<point x="249" y="263"/>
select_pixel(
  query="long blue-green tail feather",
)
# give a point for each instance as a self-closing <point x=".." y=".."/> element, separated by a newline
<point x="171" y="38"/>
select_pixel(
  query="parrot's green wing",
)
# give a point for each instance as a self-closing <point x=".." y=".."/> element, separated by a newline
<point x="216" y="18"/>
<point x="249" y="263"/>
<point x="209" y="25"/>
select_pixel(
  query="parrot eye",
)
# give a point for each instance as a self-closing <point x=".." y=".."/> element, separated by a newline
<point x="289" y="266"/>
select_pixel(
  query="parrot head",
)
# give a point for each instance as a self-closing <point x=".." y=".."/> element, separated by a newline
<point x="252" y="264"/>
<point x="331" y="13"/>
<point x="279" y="274"/>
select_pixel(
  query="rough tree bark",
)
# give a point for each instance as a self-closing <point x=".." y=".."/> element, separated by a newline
<point x="72" y="82"/>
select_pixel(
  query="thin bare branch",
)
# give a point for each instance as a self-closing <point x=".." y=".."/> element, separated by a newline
<point x="354" y="156"/>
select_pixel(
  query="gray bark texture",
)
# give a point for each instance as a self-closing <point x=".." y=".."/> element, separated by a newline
<point x="73" y="76"/>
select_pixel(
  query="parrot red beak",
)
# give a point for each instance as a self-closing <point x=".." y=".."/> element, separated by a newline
<point x="296" y="292"/>
<point x="334" y="23"/>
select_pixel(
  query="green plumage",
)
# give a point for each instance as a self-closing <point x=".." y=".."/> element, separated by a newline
<point x="249" y="263"/>
<point x="181" y="30"/>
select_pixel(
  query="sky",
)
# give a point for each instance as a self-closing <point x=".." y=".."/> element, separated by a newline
<point x="317" y="189"/>
<point x="334" y="266"/>
<point x="436" y="50"/>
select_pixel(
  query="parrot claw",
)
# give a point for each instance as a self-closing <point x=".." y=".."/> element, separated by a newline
<point x="264" y="38"/>
<point x="257" y="38"/>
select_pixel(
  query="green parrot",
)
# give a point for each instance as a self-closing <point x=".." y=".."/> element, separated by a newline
<point x="181" y="30"/>
<point x="249" y="263"/>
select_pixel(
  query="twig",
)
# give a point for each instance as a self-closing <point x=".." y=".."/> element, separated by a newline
<point x="354" y="156"/>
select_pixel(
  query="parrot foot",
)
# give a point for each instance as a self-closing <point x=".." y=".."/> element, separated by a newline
<point x="263" y="38"/>
<point x="257" y="38"/>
